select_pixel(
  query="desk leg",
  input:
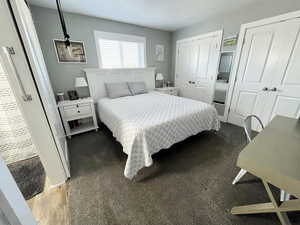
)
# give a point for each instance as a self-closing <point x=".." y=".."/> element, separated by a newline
<point x="271" y="207"/>
<point x="281" y="215"/>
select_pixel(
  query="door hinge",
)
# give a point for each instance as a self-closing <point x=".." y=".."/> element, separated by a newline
<point x="11" y="50"/>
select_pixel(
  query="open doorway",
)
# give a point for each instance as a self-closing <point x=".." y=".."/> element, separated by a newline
<point x="16" y="145"/>
<point x="222" y="83"/>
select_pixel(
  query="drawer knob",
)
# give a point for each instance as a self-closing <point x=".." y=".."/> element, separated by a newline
<point x="78" y="111"/>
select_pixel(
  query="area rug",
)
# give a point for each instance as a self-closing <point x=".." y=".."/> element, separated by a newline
<point x="29" y="175"/>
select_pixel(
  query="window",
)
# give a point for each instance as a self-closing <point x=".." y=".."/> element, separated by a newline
<point x="120" y="50"/>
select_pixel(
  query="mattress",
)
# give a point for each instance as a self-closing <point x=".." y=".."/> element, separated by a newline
<point x="147" y="123"/>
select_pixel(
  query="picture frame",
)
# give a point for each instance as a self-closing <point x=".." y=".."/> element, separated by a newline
<point x="160" y="53"/>
<point x="76" y="54"/>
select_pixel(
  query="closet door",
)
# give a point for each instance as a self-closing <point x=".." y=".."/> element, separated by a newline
<point x="255" y="73"/>
<point x="285" y="89"/>
<point x="207" y="69"/>
<point x="197" y="66"/>
<point x="268" y="81"/>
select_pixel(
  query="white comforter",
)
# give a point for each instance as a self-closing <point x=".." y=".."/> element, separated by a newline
<point x="147" y="123"/>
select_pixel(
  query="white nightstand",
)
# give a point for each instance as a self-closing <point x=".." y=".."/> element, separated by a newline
<point x="168" y="90"/>
<point x="80" y="113"/>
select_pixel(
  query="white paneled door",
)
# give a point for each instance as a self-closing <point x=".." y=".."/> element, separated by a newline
<point x="197" y="65"/>
<point x="186" y="68"/>
<point x="285" y="95"/>
<point x="267" y="80"/>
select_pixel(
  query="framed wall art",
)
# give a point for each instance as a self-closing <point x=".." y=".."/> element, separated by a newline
<point x="160" y="52"/>
<point x="74" y="54"/>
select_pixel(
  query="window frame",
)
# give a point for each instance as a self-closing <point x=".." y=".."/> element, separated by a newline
<point x="118" y="37"/>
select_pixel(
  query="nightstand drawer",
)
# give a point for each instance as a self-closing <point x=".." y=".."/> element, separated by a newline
<point x="77" y="110"/>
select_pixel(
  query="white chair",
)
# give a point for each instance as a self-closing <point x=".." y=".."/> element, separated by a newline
<point x="248" y="131"/>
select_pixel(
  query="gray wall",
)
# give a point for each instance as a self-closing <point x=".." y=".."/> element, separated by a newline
<point x="3" y="219"/>
<point x="82" y="28"/>
<point x="231" y="22"/>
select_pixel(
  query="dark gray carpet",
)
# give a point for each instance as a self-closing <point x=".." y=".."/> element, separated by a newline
<point x="189" y="184"/>
<point x="29" y="175"/>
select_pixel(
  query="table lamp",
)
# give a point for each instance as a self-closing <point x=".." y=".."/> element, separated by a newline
<point x="80" y="82"/>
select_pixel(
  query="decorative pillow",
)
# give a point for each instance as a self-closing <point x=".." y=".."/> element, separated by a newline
<point x="116" y="90"/>
<point x="137" y="88"/>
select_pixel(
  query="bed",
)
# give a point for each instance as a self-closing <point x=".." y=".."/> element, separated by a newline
<point x="146" y="123"/>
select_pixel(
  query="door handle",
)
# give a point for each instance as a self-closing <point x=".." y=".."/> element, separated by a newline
<point x="274" y="89"/>
<point x="8" y="51"/>
<point x="265" y="89"/>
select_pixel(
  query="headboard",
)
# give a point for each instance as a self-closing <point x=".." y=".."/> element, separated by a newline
<point x="97" y="77"/>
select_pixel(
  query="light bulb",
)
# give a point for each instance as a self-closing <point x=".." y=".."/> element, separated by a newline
<point x="69" y="50"/>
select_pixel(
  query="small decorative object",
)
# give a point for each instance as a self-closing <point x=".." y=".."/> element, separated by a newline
<point x="160" y="77"/>
<point x="73" y="95"/>
<point x="168" y="83"/>
<point x="74" y="53"/>
<point x="160" y="52"/>
<point x="230" y="41"/>
<point x="60" y="96"/>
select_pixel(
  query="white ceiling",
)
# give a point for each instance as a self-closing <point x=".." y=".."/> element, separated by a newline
<point x="161" y="14"/>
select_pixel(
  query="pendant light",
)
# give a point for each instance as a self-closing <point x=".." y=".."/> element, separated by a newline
<point x="63" y="25"/>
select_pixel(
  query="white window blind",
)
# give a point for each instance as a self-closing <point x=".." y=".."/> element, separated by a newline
<point x="120" y="51"/>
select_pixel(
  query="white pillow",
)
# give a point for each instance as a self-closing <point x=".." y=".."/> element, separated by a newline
<point x="116" y="90"/>
<point x="137" y="88"/>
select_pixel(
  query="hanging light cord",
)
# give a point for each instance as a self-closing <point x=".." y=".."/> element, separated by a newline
<point x="63" y="24"/>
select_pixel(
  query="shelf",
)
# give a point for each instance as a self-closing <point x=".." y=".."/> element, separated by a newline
<point x="79" y="117"/>
<point x="83" y="128"/>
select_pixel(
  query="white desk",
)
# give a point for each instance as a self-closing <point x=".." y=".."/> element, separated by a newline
<point x="274" y="156"/>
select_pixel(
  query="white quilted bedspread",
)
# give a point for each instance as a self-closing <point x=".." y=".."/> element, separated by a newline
<point x="147" y="123"/>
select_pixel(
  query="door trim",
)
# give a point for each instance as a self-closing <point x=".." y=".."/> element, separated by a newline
<point x="242" y="33"/>
<point x="201" y="36"/>
<point x="225" y="114"/>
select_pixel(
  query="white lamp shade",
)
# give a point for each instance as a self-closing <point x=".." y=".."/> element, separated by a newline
<point x="80" y="82"/>
<point x="159" y="76"/>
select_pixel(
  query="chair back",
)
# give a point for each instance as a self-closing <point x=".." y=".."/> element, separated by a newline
<point x="248" y="126"/>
